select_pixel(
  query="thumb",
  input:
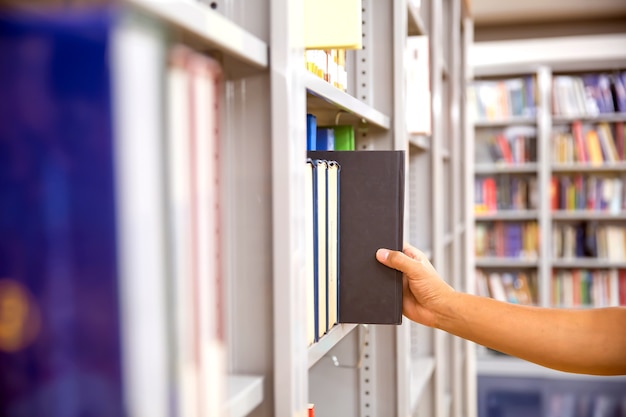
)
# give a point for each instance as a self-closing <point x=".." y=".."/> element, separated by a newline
<point x="396" y="260"/>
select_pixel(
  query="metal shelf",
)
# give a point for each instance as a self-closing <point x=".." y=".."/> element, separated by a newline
<point x="509" y="121"/>
<point x="422" y="371"/>
<point x="605" y="117"/>
<point x="326" y="343"/>
<point x="587" y="215"/>
<point x="245" y="393"/>
<point x="589" y="263"/>
<point x="323" y="96"/>
<point x="506" y="263"/>
<point x="508" y="215"/>
<point x="210" y="27"/>
<point x="510" y="366"/>
<point x="502" y="168"/>
<point x="579" y="167"/>
<point x="421" y="142"/>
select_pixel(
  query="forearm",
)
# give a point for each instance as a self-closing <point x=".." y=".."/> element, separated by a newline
<point x="584" y="341"/>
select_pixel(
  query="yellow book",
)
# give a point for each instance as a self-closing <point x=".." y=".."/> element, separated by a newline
<point x="333" y="24"/>
<point x="593" y="147"/>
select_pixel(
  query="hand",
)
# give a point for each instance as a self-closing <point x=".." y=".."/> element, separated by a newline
<point x="423" y="291"/>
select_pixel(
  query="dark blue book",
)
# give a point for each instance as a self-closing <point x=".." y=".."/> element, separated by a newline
<point x="325" y="139"/>
<point x="60" y="353"/>
<point x="311" y="132"/>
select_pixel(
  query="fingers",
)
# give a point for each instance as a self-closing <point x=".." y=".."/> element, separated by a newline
<point x="396" y="260"/>
<point x="413" y="252"/>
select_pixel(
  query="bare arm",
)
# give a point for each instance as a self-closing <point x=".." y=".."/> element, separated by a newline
<point x="590" y="341"/>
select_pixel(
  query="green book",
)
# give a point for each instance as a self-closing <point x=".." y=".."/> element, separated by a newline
<point x="344" y="137"/>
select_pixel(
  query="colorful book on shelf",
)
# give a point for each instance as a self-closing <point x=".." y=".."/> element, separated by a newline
<point x="334" y="171"/>
<point x="60" y="269"/>
<point x="371" y="216"/>
<point x="320" y="212"/>
<point x="310" y="245"/>
<point x="333" y="24"/>
<point x="344" y="138"/>
<point x="594" y="147"/>
<point x="311" y="132"/>
<point x="325" y="139"/>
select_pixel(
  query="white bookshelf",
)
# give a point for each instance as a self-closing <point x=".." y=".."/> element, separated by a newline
<point x="544" y="58"/>
<point x="353" y="369"/>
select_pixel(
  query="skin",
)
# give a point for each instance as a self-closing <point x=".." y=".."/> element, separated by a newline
<point x="586" y="341"/>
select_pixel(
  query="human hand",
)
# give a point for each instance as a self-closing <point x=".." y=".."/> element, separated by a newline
<point x="423" y="291"/>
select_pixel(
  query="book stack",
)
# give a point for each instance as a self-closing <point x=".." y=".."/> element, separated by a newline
<point x="507" y="239"/>
<point x="504" y="192"/>
<point x="593" y="144"/>
<point x="589" y="240"/>
<point x="491" y="100"/>
<point x="354" y="206"/>
<point x="518" y="287"/>
<point x="588" y="192"/>
<point x="589" y="288"/>
<point x="589" y="94"/>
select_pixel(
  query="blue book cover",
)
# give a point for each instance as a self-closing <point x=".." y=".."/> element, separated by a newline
<point x="60" y="353"/>
<point x="315" y="252"/>
<point x="325" y="139"/>
<point x="311" y="132"/>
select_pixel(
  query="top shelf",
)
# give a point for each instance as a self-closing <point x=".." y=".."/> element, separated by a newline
<point x="208" y="27"/>
<point x="323" y="96"/>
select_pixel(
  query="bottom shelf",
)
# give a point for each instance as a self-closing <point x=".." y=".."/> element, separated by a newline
<point x="245" y="393"/>
<point x="488" y="364"/>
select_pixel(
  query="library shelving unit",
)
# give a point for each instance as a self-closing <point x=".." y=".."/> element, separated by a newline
<point x="354" y="370"/>
<point x="540" y="62"/>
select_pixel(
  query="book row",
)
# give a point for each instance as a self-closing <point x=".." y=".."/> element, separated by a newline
<point x="593" y="144"/>
<point x="589" y="94"/>
<point x="588" y="288"/>
<point x="501" y="99"/>
<point x="514" y="287"/>
<point x="504" y="192"/>
<point x="569" y="288"/>
<point x="512" y="149"/>
<point x="354" y="204"/>
<point x="588" y="192"/>
<point x="329" y="65"/>
<point x="507" y="239"/>
<point x="589" y="240"/>
<point x="328" y="138"/>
